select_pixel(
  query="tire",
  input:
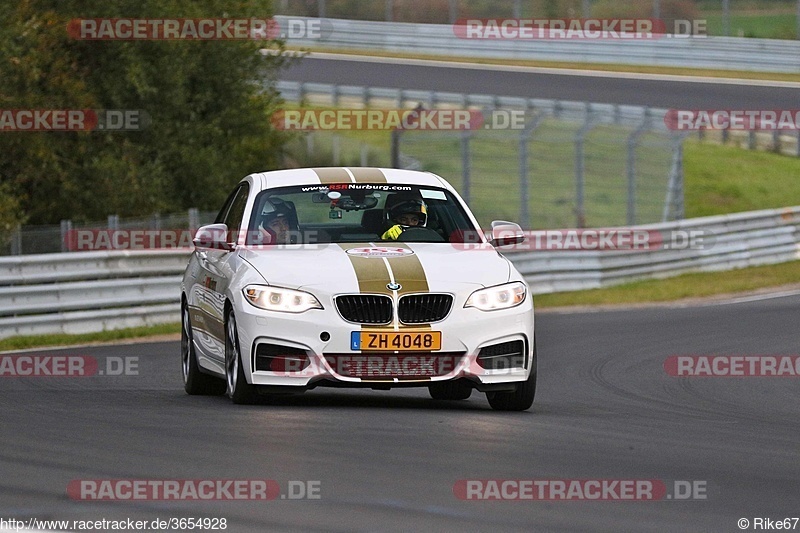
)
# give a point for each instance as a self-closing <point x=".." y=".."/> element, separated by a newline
<point x="522" y="398"/>
<point x="237" y="388"/>
<point x="195" y="381"/>
<point x="450" y="390"/>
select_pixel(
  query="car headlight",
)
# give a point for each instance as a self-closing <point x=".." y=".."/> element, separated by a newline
<point x="279" y="299"/>
<point x="499" y="297"/>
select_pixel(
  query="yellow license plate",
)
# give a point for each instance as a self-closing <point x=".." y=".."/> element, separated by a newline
<point x="382" y="341"/>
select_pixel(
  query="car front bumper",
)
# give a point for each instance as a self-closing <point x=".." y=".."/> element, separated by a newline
<point x="464" y="333"/>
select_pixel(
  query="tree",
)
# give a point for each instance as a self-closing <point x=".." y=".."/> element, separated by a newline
<point x="209" y="103"/>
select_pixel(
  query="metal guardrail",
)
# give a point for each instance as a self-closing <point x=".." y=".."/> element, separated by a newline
<point x="83" y="292"/>
<point x="737" y="240"/>
<point x="92" y="291"/>
<point x="729" y="53"/>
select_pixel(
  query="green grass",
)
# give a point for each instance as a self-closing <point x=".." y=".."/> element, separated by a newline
<point x="685" y="286"/>
<point x="763" y="26"/>
<point x="723" y="179"/>
<point x="63" y="339"/>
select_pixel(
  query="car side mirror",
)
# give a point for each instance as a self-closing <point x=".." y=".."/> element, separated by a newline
<point x="506" y="233"/>
<point x="214" y="236"/>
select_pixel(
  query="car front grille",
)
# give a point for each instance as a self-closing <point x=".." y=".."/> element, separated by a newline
<point x="377" y="309"/>
<point x="424" y="308"/>
<point x="365" y="308"/>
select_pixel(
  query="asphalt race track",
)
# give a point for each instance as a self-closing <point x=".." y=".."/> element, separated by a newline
<point x="632" y="89"/>
<point x="388" y="461"/>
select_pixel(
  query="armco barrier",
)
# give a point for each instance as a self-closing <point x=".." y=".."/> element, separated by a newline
<point x="92" y="291"/>
<point x="729" y="53"/>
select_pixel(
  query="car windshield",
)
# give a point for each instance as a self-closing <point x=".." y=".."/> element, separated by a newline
<point x="358" y="212"/>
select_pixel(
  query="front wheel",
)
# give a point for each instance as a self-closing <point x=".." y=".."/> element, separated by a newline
<point x="522" y="398"/>
<point x="238" y="390"/>
<point x="194" y="381"/>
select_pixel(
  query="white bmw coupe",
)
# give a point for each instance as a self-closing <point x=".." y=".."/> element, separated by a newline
<point x="355" y="277"/>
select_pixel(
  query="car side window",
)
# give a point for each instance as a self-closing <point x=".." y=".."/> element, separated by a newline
<point x="233" y="218"/>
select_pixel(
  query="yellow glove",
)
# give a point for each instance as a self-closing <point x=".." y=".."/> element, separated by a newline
<point x="392" y="233"/>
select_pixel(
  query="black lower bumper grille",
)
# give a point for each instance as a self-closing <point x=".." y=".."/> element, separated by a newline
<point x="424" y="308"/>
<point x="365" y="308"/>
<point x="504" y="355"/>
<point x="277" y="358"/>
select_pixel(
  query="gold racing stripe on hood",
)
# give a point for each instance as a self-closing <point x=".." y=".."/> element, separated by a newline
<point x="374" y="274"/>
<point x="332" y="175"/>
<point x="410" y="274"/>
<point x="367" y="174"/>
<point x="371" y="272"/>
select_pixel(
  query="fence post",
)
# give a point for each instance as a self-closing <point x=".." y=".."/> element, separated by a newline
<point x="524" y="138"/>
<point x="66" y="237"/>
<point x="452" y="11"/>
<point x="310" y="145"/>
<point x="364" y="155"/>
<point x="673" y="204"/>
<point x="335" y="95"/>
<point x="16" y="241"/>
<point x="113" y="221"/>
<point x="194" y="218"/>
<point x="336" y="149"/>
<point x="388" y="11"/>
<point x="465" y="165"/>
<point x="632" y="143"/>
<point x="580" y="213"/>
<point x="395" y="149"/>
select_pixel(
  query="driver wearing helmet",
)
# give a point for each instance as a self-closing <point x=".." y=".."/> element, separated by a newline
<point x="275" y="226"/>
<point x="406" y="214"/>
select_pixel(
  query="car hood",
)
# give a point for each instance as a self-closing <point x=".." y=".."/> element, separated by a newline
<point x="350" y="267"/>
